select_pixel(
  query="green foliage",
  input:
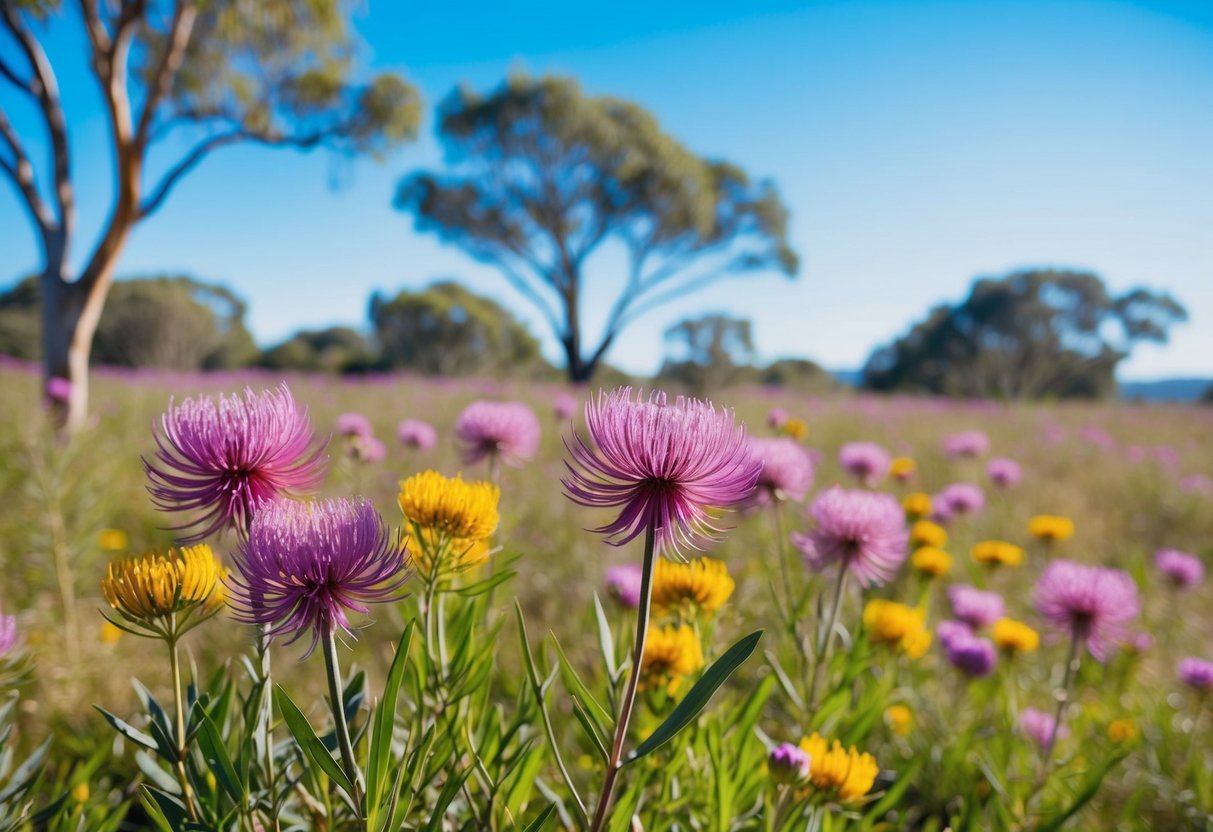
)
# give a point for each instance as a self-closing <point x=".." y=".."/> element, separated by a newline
<point x="20" y="320"/>
<point x="337" y="349"/>
<point x="1031" y="334"/>
<point x="446" y="330"/>
<point x="543" y="176"/>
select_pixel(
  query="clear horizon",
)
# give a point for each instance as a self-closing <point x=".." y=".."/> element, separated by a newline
<point x="917" y="147"/>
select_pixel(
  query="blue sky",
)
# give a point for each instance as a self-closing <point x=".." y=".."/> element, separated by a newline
<point x="917" y="145"/>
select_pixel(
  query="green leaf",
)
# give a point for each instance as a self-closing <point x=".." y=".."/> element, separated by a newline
<point x="216" y="756"/>
<point x="385" y="720"/>
<point x="606" y="640"/>
<point x="311" y="745"/>
<point x="130" y="732"/>
<point x="481" y="587"/>
<point x="1088" y="791"/>
<point x="578" y="688"/>
<point x="541" y="821"/>
<point x="697" y="698"/>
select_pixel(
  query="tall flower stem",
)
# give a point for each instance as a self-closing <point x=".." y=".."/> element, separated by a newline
<point x="182" y="749"/>
<point x="825" y="639"/>
<point x="1063" y="699"/>
<point x="782" y="550"/>
<point x="342" y="729"/>
<point x="629" y="697"/>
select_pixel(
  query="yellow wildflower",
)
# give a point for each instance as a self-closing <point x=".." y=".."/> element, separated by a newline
<point x="798" y="429"/>
<point x="889" y="622"/>
<point x="844" y="771"/>
<point x="450" y="507"/>
<point x="916" y="505"/>
<point x="926" y="533"/>
<point x="1051" y="528"/>
<point x="157" y="586"/>
<point x="110" y="633"/>
<point x="703" y="583"/>
<point x="997" y="552"/>
<point x="1015" y="636"/>
<point x="80" y="792"/>
<point x="931" y="561"/>
<point x="1122" y="730"/>
<point x="902" y="468"/>
<point x="670" y="653"/>
<point x="899" y="719"/>
<point x="112" y="540"/>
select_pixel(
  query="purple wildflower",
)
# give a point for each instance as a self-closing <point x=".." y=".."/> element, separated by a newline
<point x="370" y="450"/>
<point x="489" y="429"/>
<point x="1094" y="604"/>
<point x="667" y="466"/>
<point x="950" y="632"/>
<point x="623" y="583"/>
<point x="864" y="532"/>
<point x="354" y="426"/>
<point x="564" y="406"/>
<point x="866" y="461"/>
<point x="1196" y="484"/>
<point x="962" y="498"/>
<point x="222" y="457"/>
<point x="777" y="417"/>
<point x="58" y="389"/>
<point x="975" y="607"/>
<point x="1003" y="472"/>
<point x="971" y="655"/>
<point x="307" y="564"/>
<point x="1196" y="673"/>
<point x="414" y="433"/>
<point x="1039" y="727"/>
<point x="968" y="443"/>
<point x="8" y="634"/>
<point x="787" y="469"/>
<point x="1184" y="570"/>
<point x="788" y="763"/>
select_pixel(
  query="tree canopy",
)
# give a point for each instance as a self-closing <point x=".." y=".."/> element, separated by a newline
<point x="336" y="349"/>
<point x="542" y="176"/>
<point x="447" y="330"/>
<point x="1030" y="334"/>
<point x="709" y="353"/>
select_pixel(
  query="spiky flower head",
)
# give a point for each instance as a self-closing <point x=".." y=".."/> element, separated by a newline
<point x="976" y="607"/>
<point x="861" y="531"/>
<point x="1004" y="472"/>
<point x="996" y="553"/>
<point x="777" y="417"/>
<point x="1196" y="673"/>
<point x="487" y="430"/>
<point x="899" y="625"/>
<point x="307" y="565"/>
<point x="1051" y="528"/>
<point x="224" y="456"/>
<point x="788" y="763"/>
<point x="931" y="561"/>
<point x="972" y="655"/>
<point x="450" y="506"/>
<point x="866" y="461"/>
<point x="670" y="654"/>
<point x="416" y="434"/>
<point x="354" y="426"/>
<point x="164" y="594"/>
<point x="845" y="773"/>
<point x="787" y="469"/>
<point x="670" y="467"/>
<point x="701" y="585"/>
<point x="1093" y="604"/>
<point x="1182" y="569"/>
<point x="1013" y="636"/>
<point x="564" y="405"/>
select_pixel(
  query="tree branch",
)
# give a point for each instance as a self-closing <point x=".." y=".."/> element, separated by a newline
<point x="174" y="50"/>
<point x="22" y="173"/>
<point x="47" y="91"/>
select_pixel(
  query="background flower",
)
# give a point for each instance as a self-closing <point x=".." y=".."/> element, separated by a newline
<point x="862" y="531"/>
<point x="508" y="430"/>
<point x="1093" y="604"/>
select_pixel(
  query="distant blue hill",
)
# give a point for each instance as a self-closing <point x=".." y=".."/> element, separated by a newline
<point x="1166" y="389"/>
<point x="1162" y="390"/>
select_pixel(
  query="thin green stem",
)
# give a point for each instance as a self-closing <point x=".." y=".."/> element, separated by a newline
<point x="182" y="749"/>
<point x="825" y="638"/>
<point x="1073" y="659"/>
<point x="602" y="811"/>
<point x="333" y="671"/>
